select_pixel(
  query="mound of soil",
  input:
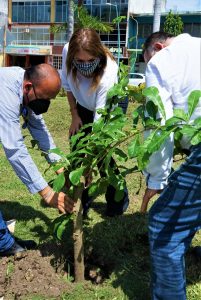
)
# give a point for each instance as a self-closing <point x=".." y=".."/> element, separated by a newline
<point x="34" y="272"/>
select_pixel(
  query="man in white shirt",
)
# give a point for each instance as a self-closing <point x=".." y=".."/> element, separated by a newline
<point x="173" y="66"/>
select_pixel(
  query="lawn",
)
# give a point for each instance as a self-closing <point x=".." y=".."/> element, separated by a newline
<point x="117" y="247"/>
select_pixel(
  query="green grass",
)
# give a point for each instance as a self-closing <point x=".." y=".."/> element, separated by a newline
<point x="117" y="244"/>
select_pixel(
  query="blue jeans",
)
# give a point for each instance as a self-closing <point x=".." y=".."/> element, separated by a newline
<point x="173" y="221"/>
<point x="6" y="239"/>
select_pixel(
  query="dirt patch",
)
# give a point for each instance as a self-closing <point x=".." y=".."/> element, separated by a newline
<point x="34" y="272"/>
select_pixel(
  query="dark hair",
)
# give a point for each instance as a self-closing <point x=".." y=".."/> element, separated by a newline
<point x="87" y="39"/>
<point x="38" y="72"/>
<point x="158" y="36"/>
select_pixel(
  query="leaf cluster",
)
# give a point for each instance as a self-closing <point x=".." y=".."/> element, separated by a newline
<point x="84" y="20"/>
<point x="173" y="24"/>
<point x="93" y="153"/>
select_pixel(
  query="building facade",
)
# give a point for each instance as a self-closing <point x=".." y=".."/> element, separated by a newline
<point x="29" y="39"/>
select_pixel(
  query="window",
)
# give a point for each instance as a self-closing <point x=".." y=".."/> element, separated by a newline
<point x="57" y="62"/>
<point x="31" y="12"/>
<point x="61" y="11"/>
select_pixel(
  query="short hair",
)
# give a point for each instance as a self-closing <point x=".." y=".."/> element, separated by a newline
<point x="159" y="36"/>
<point x="87" y="39"/>
<point x="38" y="72"/>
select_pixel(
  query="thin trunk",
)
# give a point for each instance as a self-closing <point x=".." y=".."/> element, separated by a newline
<point x="70" y="19"/>
<point x="157" y="15"/>
<point x="78" y="238"/>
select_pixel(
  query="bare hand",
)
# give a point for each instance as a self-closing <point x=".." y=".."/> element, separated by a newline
<point x="149" y="193"/>
<point x="62" y="202"/>
<point x="75" y="125"/>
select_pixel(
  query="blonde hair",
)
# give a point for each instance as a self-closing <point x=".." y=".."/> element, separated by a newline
<point x="87" y="39"/>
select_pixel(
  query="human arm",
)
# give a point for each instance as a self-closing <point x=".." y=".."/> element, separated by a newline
<point x="22" y="163"/>
<point x="41" y="134"/>
<point x="76" y="121"/>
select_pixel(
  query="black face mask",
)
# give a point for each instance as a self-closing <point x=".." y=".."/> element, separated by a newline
<point x="39" y="106"/>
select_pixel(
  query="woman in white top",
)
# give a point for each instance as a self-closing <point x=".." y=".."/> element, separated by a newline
<point x="89" y="70"/>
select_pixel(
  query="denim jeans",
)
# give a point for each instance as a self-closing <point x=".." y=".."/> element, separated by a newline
<point x="173" y="221"/>
<point x="6" y="239"/>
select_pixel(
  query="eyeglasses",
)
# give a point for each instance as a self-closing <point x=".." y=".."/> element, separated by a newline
<point x="37" y="98"/>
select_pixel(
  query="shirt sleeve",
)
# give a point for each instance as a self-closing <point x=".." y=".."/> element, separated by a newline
<point x="17" y="153"/>
<point x="40" y="133"/>
<point x="64" y="70"/>
<point x="160" y="163"/>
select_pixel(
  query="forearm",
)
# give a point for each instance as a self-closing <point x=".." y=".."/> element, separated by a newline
<point x="72" y="104"/>
<point x="40" y="133"/>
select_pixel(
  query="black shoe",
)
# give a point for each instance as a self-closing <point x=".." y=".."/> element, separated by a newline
<point x="26" y="244"/>
<point x="14" y="249"/>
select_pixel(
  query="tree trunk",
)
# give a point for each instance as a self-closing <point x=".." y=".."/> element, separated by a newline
<point x="70" y="19"/>
<point x="78" y="238"/>
<point x="157" y="15"/>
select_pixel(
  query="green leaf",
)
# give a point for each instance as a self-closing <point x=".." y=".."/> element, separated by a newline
<point x="119" y="195"/>
<point x="59" y="225"/>
<point x="74" y="138"/>
<point x="133" y="147"/>
<point x="153" y="95"/>
<point x="193" y="100"/>
<point x="196" y="138"/>
<point x="180" y="114"/>
<point x="157" y="140"/>
<point x="98" y="188"/>
<point x="121" y="156"/>
<point x="75" y="175"/>
<point x="59" y="182"/>
<point x="98" y="125"/>
<point x="173" y="121"/>
<point x="188" y="130"/>
<point x="151" y="109"/>
<point x="197" y="122"/>
<point x="56" y="151"/>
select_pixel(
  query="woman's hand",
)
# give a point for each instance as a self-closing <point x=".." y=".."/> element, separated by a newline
<point x="75" y="125"/>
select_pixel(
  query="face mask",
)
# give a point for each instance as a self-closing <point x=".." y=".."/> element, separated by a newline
<point x="86" y="68"/>
<point x="39" y="106"/>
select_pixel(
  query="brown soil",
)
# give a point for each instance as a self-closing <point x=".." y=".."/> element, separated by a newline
<point x="34" y="272"/>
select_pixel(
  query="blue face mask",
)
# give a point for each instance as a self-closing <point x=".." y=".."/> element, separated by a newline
<point x="86" y="68"/>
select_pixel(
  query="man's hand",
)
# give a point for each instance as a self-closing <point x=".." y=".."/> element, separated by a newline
<point x="57" y="200"/>
<point x="62" y="202"/>
<point x="149" y="193"/>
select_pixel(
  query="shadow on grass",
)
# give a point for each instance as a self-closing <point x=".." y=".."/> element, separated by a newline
<point x="120" y="246"/>
<point x="15" y="210"/>
<point x="117" y="247"/>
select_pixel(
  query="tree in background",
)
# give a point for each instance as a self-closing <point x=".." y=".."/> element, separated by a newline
<point x="173" y="24"/>
<point x="79" y="16"/>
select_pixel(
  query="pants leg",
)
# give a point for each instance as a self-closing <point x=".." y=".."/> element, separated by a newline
<point x="173" y="221"/>
<point x="6" y="239"/>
